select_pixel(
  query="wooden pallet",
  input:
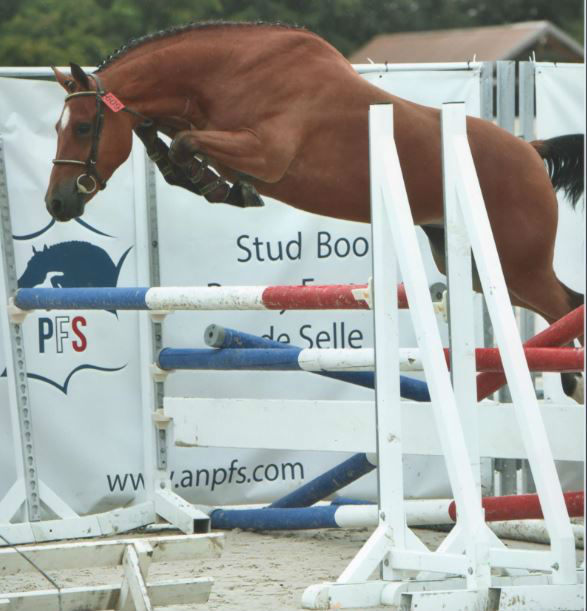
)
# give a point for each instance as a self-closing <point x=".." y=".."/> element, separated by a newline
<point x="135" y="592"/>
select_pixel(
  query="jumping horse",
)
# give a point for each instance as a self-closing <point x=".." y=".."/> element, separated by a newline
<point x="278" y="111"/>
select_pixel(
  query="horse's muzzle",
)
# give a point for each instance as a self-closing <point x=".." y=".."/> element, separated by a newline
<point x="64" y="204"/>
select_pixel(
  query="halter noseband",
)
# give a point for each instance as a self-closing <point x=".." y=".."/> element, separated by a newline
<point x="90" y="163"/>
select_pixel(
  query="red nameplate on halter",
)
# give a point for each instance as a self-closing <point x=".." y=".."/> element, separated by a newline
<point x="113" y="103"/>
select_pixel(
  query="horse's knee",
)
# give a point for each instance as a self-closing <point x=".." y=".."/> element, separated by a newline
<point x="182" y="148"/>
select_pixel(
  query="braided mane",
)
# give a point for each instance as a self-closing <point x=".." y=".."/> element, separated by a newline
<point x="182" y="29"/>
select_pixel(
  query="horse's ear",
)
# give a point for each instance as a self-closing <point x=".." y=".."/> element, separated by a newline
<point x="34" y="251"/>
<point x="80" y="77"/>
<point x="44" y="249"/>
<point x="64" y="80"/>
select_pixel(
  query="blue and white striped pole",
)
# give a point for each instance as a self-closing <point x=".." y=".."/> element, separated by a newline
<point x="421" y="512"/>
<point x="220" y="337"/>
<point x="217" y="336"/>
<point x="294" y="518"/>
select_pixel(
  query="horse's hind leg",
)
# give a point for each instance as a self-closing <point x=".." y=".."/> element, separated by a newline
<point x="549" y="297"/>
<point x="533" y="288"/>
<point x="435" y="235"/>
<point x="537" y="290"/>
<point x="546" y="295"/>
<point x="574" y="383"/>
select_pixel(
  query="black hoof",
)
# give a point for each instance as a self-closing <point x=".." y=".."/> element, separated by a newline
<point x="573" y="386"/>
<point x="244" y="195"/>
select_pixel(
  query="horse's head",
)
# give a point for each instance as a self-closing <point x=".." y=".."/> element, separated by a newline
<point x="37" y="268"/>
<point x="93" y="139"/>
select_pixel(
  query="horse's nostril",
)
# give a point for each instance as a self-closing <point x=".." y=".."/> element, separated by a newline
<point x="56" y="205"/>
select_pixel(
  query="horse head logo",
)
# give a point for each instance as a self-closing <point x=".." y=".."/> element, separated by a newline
<point x="71" y="264"/>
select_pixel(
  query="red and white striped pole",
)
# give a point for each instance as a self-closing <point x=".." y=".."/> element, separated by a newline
<point x="559" y="333"/>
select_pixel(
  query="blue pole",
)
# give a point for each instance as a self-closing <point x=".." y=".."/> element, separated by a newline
<point x="328" y="483"/>
<point x="275" y="519"/>
<point x="228" y="359"/>
<point x="217" y="336"/>
<point x="88" y="298"/>
<point x="343" y="500"/>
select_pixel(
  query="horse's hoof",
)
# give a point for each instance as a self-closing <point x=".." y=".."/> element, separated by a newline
<point x="579" y="394"/>
<point x="574" y="386"/>
<point x="244" y="195"/>
<point x="251" y="199"/>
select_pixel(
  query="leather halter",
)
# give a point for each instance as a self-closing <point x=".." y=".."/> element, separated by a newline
<point x="90" y="163"/>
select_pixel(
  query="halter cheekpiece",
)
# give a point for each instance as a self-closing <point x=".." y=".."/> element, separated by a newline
<point x="103" y="100"/>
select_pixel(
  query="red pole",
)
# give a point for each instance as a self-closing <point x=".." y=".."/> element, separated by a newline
<point x="402" y="298"/>
<point x="561" y="332"/>
<point x="538" y="359"/>
<point x="522" y="507"/>
<point x="321" y="297"/>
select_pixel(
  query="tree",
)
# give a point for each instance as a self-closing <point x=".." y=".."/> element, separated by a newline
<point x="42" y="32"/>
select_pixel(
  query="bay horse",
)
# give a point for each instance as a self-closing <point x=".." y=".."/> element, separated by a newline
<point x="278" y="111"/>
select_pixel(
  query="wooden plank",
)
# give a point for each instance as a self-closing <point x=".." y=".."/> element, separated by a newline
<point x="99" y="598"/>
<point x="273" y="424"/>
<point x="87" y="554"/>
<point x="133" y="593"/>
<point x="349" y="426"/>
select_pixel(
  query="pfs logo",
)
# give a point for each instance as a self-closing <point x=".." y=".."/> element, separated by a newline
<point x="67" y="265"/>
<point x="58" y="329"/>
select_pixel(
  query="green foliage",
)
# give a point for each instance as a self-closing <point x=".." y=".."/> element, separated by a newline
<point x="42" y="32"/>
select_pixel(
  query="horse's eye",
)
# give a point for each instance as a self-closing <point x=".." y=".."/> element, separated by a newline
<point x="83" y="129"/>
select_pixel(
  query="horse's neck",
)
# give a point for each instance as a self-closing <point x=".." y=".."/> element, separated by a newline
<point x="167" y="82"/>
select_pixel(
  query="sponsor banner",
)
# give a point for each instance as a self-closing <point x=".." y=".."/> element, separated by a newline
<point x="85" y="367"/>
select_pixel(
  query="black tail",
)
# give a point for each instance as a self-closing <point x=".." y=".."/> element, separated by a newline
<point x="564" y="159"/>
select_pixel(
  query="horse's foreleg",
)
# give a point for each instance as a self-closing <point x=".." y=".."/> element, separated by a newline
<point x="241" y="150"/>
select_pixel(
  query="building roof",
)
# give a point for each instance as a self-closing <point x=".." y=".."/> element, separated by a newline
<point x="488" y="43"/>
